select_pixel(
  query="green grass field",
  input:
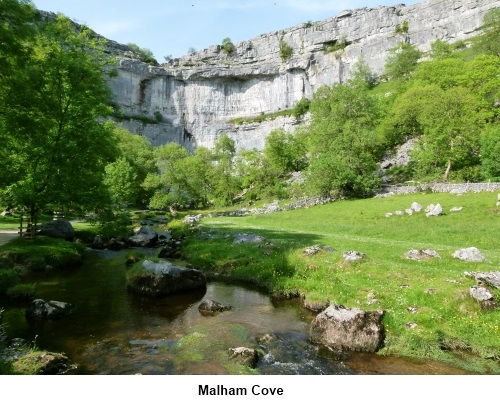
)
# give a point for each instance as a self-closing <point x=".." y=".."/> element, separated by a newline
<point x="448" y="321"/>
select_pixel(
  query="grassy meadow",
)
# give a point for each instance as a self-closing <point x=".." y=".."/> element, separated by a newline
<point x="448" y="324"/>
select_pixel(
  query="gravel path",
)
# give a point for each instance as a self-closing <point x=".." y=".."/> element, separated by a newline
<point x="6" y="236"/>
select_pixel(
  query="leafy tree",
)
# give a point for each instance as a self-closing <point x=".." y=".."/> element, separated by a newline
<point x="227" y="46"/>
<point x="490" y="153"/>
<point x="343" y="141"/>
<point x="440" y="49"/>
<point x="225" y="184"/>
<point x="57" y="146"/>
<point x="286" y="51"/>
<point x="401" y="61"/>
<point x="121" y="179"/>
<point x="285" y="151"/>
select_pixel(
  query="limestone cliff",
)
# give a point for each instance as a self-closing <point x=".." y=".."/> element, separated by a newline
<point x="191" y="100"/>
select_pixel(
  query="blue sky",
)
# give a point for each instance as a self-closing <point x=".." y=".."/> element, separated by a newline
<point x="169" y="27"/>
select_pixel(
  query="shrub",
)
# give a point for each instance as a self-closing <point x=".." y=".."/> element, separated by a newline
<point x="286" y="50"/>
<point x="227" y="46"/>
<point x="8" y="279"/>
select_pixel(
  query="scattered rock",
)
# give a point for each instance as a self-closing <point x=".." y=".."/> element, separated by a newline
<point x="388" y="214"/>
<point x="434" y="210"/>
<point x="490" y="278"/>
<point x="42" y="363"/>
<point x="115" y="244"/>
<point x="192" y="219"/>
<point x="470" y="254"/>
<point x="352" y="256"/>
<point x="312" y="250"/>
<point x="411" y="325"/>
<point x="39" y="309"/>
<point x="483" y="296"/>
<point x="409" y="211"/>
<point x="416" y="207"/>
<point x="412" y="310"/>
<point x="98" y="242"/>
<point x="144" y="237"/>
<point x="244" y="356"/>
<point x="399" y="212"/>
<point x="268" y="208"/>
<point x="163" y="278"/>
<point x="456" y="209"/>
<point x="58" y="228"/>
<point x="267" y="338"/>
<point x="349" y="329"/>
<point x="430" y="291"/>
<point x="209" y="307"/>
<point x="421" y="254"/>
<point x="247" y="238"/>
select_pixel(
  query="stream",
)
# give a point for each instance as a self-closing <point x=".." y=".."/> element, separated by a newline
<point x="112" y="331"/>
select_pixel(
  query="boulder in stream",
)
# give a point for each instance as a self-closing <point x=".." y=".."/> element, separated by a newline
<point x="209" y="307"/>
<point x="348" y="329"/>
<point x="163" y="278"/>
<point x="40" y="309"/>
<point x="244" y="356"/>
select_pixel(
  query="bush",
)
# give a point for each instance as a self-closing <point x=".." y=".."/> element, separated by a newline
<point x="286" y="50"/>
<point x="21" y="292"/>
<point x="227" y="46"/>
<point x="8" y="279"/>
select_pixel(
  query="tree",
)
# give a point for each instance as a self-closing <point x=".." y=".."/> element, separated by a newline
<point x="401" y="61"/>
<point x="225" y="184"/>
<point x="343" y="141"/>
<point x="227" y="46"/>
<point x="57" y="145"/>
<point x="285" y="151"/>
<point x="488" y="42"/>
<point x="490" y="153"/>
<point x="145" y="54"/>
<point x="121" y="180"/>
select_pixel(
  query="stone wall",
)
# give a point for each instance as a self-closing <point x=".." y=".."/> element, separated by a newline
<point x="197" y="95"/>
<point x="439" y="188"/>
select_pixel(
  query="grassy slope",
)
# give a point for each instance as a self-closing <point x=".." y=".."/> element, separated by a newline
<point x="446" y="319"/>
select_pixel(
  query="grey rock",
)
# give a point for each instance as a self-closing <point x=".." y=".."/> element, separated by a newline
<point x="192" y="219"/>
<point x="352" y="256"/>
<point x="59" y="228"/>
<point x="434" y="210"/>
<point x="416" y="207"/>
<point x="348" y="329"/>
<point x="422" y="254"/>
<point x="490" y="278"/>
<point x="247" y="238"/>
<point x="244" y="356"/>
<point x="98" y="242"/>
<point x="115" y="244"/>
<point x="39" y="309"/>
<point x="316" y="306"/>
<point x="480" y="293"/>
<point x="456" y="209"/>
<point x="409" y="211"/>
<point x="254" y="78"/>
<point x="399" y="212"/>
<point x="470" y="254"/>
<point x="388" y="214"/>
<point x="209" y="307"/>
<point x="312" y="250"/>
<point x="163" y="278"/>
<point x="144" y="237"/>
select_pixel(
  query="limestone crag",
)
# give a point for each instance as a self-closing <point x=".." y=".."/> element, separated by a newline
<point x="193" y="99"/>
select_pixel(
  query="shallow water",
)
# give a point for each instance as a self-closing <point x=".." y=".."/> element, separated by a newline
<point x="112" y="331"/>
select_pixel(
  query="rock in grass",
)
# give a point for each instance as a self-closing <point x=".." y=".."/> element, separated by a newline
<point x="348" y="329"/>
<point x="40" y="362"/>
<point x="352" y="256"/>
<point x="470" y="254"/>
<point x="209" y="307"/>
<point x="247" y="238"/>
<point x="416" y="207"/>
<point x="491" y="277"/>
<point x="422" y="254"/>
<point x="59" y="228"/>
<point x="483" y="296"/>
<point x="434" y="210"/>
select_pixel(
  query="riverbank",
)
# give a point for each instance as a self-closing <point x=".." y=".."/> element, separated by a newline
<point x="429" y="312"/>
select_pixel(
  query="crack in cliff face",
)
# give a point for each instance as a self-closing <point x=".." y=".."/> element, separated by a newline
<point x="209" y="88"/>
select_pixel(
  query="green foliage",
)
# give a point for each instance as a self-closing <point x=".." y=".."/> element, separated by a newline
<point x="286" y="51"/>
<point x="56" y="145"/>
<point x="440" y="49"/>
<point x="490" y="153"/>
<point x="8" y="279"/>
<point x="335" y="45"/>
<point x="227" y="46"/>
<point x="224" y="183"/>
<point x="402" y="29"/>
<point x="488" y="42"/>
<point x="285" y="151"/>
<point x="401" y="61"/>
<point x="21" y="292"/>
<point x="111" y="224"/>
<point x="121" y="180"/>
<point x="301" y="108"/>
<point x="146" y="55"/>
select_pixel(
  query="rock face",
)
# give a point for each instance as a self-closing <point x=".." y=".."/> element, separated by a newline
<point x="59" y="228"/>
<point x="163" y="278"/>
<point x="348" y="329"/>
<point x="192" y="100"/>
<point x="39" y="309"/>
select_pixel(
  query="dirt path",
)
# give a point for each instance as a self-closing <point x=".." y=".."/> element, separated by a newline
<point x="6" y="236"/>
